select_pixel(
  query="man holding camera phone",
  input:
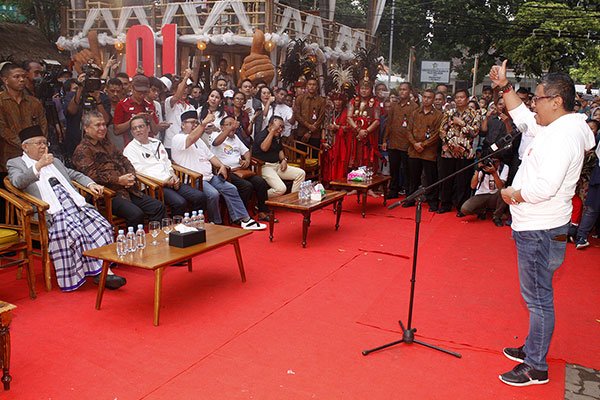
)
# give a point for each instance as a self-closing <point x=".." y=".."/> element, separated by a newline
<point x="488" y="179"/>
<point x="190" y="152"/>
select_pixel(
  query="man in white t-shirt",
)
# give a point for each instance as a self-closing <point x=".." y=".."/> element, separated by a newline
<point x="175" y="106"/>
<point x="284" y="111"/>
<point x="487" y="181"/>
<point x="191" y="152"/>
<point x="540" y="205"/>
<point x="232" y="152"/>
<point x="149" y="157"/>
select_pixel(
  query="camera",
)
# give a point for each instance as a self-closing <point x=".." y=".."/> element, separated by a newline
<point x="48" y="85"/>
<point x="487" y="163"/>
<point x="91" y="84"/>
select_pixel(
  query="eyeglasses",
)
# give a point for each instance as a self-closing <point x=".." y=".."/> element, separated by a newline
<point x="537" y="98"/>
<point x="40" y="143"/>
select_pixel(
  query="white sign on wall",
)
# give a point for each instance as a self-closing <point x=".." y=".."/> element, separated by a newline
<point x="435" y="71"/>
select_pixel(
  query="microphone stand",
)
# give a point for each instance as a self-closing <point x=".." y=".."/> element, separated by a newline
<point x="408" y="332"/>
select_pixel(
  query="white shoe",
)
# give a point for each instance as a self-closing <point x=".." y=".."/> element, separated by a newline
<point x="252" y="225"/>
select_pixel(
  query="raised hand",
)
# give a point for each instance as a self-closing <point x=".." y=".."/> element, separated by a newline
<point x="498" y="74"/>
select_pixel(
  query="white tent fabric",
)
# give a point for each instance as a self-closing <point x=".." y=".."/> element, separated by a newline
<point x="108" y="18"/>
<point x="189" y="10"/>
<point x="240" y="12"/>
<point x="379" y="6"/>
<point x="331" y="9"/>
<point x="140" y="14"/>
<point x="123" y="18"/>
<point x="214" y="15"/>
<point x="90" y="20"/>
<point x="170" y="12"/>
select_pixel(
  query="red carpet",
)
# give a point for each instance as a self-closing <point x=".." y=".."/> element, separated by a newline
<point x="296" y="328"/>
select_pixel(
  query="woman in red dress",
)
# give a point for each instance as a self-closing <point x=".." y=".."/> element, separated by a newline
<point x="363" y="121"/>
<point x="335" y="144"/>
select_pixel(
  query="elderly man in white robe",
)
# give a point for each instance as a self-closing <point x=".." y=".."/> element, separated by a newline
<point x="73" y="225"/>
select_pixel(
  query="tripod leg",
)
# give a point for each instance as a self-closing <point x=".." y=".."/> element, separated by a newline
<point x="385" y="346"/>
<point x="437" y="348"/>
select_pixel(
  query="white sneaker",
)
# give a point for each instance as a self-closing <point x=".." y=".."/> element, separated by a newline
<point x="252" y="225"/>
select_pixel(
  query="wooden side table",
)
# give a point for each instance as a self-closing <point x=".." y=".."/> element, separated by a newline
<point x="5" y="318"/>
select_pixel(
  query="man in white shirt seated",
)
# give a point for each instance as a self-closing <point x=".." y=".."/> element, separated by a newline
<point x="487" y="181"/>
<point x="149" y="157"/>
<point x="191" y="152"/>
<point x="235" y="155"/>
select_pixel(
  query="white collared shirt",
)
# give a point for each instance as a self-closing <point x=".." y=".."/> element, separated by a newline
<point x="550" y="170"/>
<point x="149" y="159"/>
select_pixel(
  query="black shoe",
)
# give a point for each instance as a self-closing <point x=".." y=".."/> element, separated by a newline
<point x="433" y="208"/>
<point x="460" y="214"/>
<point x="481" y="216"/>
<point x="392" y="195"/>
<point x="524" y="375"/>
<point x="514" y="353"/>
<point x="113" y="282"/>
<point x="408" y="204"/>
<point x="402" y="192"/>
<point x="498" y="222"/>
<point x="443" y="210"/>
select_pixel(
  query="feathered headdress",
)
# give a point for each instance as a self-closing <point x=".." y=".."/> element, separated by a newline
<point x="340" y="80"/>
<point x="299" y="61"/>
<point x="366" y="65"/>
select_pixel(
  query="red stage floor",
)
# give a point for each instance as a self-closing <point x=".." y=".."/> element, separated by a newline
<point x="296" y="328"/>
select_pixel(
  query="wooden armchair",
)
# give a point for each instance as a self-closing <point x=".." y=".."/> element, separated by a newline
<point x="39" y="226"/>
<point x="304" y="156"/>
<point x="15" y="237"/>
<point x="188" y="176"/>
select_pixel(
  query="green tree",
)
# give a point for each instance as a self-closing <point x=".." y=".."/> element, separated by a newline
<point x="44" y="13"/>
<point x="551" y="36"/>
<point x="588" y="70"/>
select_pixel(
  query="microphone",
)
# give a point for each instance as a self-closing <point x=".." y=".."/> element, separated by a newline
<point x="505" y="141"/>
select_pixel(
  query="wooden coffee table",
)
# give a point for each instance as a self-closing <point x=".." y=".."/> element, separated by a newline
<point x="291" y="202"/>
<point x="363" y="187"/>
<point x="156" y="258"/>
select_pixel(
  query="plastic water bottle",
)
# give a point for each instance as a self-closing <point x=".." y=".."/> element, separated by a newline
<point x="186" y="219"/>
<point x="200" y="219"/>
<point x="140" y="237"/>
<point x="194" y="218"/>
<point x="121" y="243"/>
<point x="131" y="242"/>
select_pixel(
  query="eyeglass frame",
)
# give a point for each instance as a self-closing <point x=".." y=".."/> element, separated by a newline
<point x="537" y="98"/>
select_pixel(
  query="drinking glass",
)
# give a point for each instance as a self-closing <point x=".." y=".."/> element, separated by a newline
<point x="154" y="228"/>
<point x="177" y="219"/>
<point x="167" y="227"/>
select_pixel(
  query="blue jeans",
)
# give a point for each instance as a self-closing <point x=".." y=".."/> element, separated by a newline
<point x="215" y="186"/>
<point x="540" y="253"/>
<point x="179" y="199"/>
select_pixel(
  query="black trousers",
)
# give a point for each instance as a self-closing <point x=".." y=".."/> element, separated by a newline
<point x="135" y="210"/>
<point x="254" y="184"/>
<point x="399" y="170"/>
<point x="418" y="167"/>
<point x="457" y="190"/>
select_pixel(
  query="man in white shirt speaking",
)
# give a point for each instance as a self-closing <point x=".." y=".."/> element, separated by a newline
<point x="149" y="157"/>
<point x="540" y="204"/>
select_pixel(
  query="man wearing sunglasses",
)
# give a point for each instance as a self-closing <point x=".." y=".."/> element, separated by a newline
<point x="149" y="157"/>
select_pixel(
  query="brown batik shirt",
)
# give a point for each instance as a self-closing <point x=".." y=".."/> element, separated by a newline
<point x="457" y="141"/>
<point x="424" y="128"/>
<point x="309" y="110"/>
<point x="14" y="117"/>
<point x="104" y="163"/>
<point x="397" y="125"/>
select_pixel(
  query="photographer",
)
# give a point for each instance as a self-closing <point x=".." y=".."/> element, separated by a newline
<point x="87" y="97"/>
<point x="487" y="181"/>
